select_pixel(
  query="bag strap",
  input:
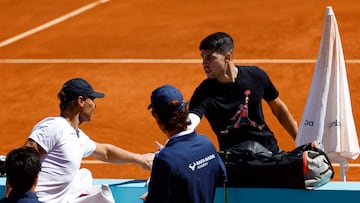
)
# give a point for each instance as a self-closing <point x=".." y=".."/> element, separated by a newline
<point x="225" y="194"/>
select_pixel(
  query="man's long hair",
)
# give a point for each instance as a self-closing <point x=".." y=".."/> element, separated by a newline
<point x="174" y="116"/>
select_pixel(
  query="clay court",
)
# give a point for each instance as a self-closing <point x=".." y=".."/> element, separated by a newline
<point x="127" y="48"/>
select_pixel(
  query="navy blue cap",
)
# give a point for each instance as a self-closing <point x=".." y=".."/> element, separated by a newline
<point x="80" y="87"/>
<point x="162" y="95"/>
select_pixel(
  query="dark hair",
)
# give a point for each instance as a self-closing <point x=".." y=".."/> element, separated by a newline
<point x="175" y="117"/>
<point x="67" y="100"/>
<point x="22" y="166"/>
<point x="218" y="41"/>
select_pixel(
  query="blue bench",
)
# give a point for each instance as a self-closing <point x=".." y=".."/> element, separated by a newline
<point x="129" y="191"/>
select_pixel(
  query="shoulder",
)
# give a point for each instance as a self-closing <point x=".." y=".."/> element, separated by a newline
<point x="52" y="125"/>
<point x="50" y="122"/>
<point x="164" y="158"/>
<point x="206" y="84"/>
<point x="253" y="73"/>
<point x="206" y="88"/>
<point x="250" y="69"/>
<point x="205" y="141"/>
<point x="203" y="138"/>
<point x="29" y="197"/>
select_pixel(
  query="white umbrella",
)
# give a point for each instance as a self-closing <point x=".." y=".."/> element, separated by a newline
<point x="327" y="116"/>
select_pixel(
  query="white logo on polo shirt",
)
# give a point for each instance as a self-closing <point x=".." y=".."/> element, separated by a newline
<point x="201" y="163"/>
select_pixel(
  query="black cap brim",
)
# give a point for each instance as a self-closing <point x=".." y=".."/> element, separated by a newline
<point x="97" y="95"/>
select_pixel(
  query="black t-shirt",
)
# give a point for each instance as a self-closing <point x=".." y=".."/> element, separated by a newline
<point x="234" y="110"/>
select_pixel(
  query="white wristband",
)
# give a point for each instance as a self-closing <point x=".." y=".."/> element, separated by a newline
<point x="195" y="120"/>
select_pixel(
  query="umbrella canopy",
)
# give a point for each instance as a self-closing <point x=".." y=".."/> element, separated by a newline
<point x="327" y="116"/>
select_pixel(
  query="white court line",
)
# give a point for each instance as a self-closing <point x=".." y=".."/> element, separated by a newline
<point x="51" y="23"/>
<point x="164" y="61"/>
<point x="101" y="162"/>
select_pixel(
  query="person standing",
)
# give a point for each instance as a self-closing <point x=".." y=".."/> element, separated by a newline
<point x="22" y="167"/>
<point x="231" y="98"/>
<point x="187" y="168"/>
<point x="62" y="145"/>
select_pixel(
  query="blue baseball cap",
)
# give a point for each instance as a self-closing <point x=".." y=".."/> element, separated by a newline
<point x="80" y="87"/>
<point x="162" y="95"/>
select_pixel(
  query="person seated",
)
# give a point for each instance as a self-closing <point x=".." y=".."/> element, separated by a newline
<point x="22" y="167"/>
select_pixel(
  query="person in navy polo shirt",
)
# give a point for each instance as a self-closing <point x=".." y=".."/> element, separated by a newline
<point x="187" y="168"/>
<point x="22" y="166"/>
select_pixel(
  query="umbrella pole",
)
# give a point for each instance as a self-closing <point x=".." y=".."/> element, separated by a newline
<point x="343" y="164"/>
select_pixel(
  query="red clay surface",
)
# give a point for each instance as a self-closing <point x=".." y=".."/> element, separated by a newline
<point x="282" y="29"/>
